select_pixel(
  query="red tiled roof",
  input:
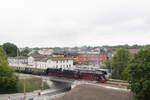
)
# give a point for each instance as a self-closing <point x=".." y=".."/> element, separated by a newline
<point x="133" y="51"/>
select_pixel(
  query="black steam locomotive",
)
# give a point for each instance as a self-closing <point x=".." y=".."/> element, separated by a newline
<point x="78" y="74"/>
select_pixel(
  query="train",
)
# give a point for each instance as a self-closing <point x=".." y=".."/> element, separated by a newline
<point x="76" y="74"/>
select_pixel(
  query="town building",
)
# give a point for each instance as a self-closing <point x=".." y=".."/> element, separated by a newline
<point x="42" y="62"/>
<point x="18" y="61"/>
<point x="45" y="51"/>
<point x="92" y="58"/>
<point x="83" y="58"/>
<point x="132" y="51"/>
<point x="63" y="54"/>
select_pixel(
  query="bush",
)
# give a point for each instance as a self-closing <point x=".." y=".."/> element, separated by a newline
<point x="8" y="79"/>
<point x="119" y="63"/>
<point x="139" y="75"/>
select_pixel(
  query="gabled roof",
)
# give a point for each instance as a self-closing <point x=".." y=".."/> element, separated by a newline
<point x="65" y="58"/>
<point x="65" y="53"/>
<point x="44" y="59"/>
<point x="41" y="59"/>
<point x="40" y="56"/>
<point x="19" y="57"/>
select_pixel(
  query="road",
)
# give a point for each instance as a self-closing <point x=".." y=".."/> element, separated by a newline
<point x="45" y="95"/>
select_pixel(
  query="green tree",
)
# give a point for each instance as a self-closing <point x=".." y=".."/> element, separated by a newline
<point x="8" y="80"/>
<point x="119" y="62"/>
<point x="103" y="66"/>
<point x="25" y="52"/>
<point x="139" y="75"/>
<point x="108" y="64"/>
<point x="124" y="74"/>
<point x="35" y="53"/>
<point x="10" y="49"/>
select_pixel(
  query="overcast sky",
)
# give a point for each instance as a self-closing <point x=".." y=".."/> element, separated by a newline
<point x="50" y="23"/>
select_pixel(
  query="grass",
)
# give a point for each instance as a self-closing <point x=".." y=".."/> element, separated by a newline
<point x="31" y="84"/>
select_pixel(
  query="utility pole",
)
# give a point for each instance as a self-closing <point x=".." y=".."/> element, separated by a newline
<point x="24" y="89"/>
<point x="111" y="66"/>
<point x="98" y="58"/>
<point x="42" y="82"/>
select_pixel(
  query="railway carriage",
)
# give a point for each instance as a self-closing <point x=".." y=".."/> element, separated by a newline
<point x="77" y="74"/>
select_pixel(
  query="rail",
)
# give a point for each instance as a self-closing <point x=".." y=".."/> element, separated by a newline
<point x="117" y="83"/>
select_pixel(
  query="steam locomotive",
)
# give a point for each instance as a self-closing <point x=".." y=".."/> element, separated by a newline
<point x="78" y="74"/>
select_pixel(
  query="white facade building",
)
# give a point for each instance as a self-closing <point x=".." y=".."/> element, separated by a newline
<point x="64" y="63"/>
<point x="18" y="61"/>
<point x="41" y="62"/>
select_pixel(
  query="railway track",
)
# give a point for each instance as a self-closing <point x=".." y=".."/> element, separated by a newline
<point x="110" y="82"/>
<point x="117" y="83"/>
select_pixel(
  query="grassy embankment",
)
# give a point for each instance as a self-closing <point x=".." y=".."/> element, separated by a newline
<point x="31" y="84"/>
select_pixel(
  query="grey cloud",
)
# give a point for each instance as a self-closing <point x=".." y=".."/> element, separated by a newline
<point x="79" y="22"/>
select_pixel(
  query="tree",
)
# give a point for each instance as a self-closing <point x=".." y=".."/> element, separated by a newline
<point x="108" y="64"/>
<point x="8" y="80"/>
<point x="25" y="52"/>
<point x="10" y="49"/>
<point x="35" y="53"/>
<point x="139" y="75"/>
<point x="36" y="48"/>
<point x="119" y="62"/>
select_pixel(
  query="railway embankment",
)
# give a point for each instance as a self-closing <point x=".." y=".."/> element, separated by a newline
<point x="93" y="92"/>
